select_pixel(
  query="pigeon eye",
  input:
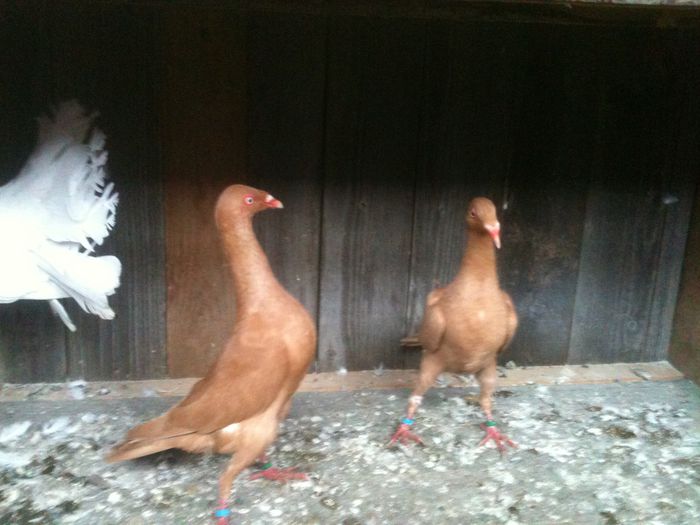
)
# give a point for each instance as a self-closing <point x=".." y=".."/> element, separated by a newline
<point x="472" y="214"/>
<point x="248" y="200"/>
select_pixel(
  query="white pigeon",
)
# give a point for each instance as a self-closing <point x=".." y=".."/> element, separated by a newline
<point x="54" y="213"/>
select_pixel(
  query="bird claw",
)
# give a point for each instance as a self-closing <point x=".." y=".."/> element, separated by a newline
<point x="493" y="434"/>
<point x="404" y="436"/>
<point x="279" y="474"/>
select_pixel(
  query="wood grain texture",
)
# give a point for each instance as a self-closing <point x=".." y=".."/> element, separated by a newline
<point x="286" y="82"/>
<point x="622" y="253"/>
<point x="202" y="117"/>
<point x="109" y="65"/>
<point x="678" y="67"/>
<point x="684" y="350"/>
<point x="372" y="132"/>
<point x="549" y="173"/>
<point x="374" y="124"/>
<point x="362" y="381"/>
<point x="32" y="339"/>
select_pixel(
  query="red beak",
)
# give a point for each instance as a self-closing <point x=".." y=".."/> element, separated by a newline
<point x="495" y="233"/>
<point x="496" y="236"/>
<point x="271" y="202"/>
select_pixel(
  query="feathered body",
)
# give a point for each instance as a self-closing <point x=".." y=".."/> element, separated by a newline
<point x="54" y="213"/>
<point x="467" y="323"/>
<point x="237" y="406"/>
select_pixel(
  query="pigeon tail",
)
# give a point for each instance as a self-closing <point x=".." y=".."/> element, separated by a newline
<point x="87" y="279"/>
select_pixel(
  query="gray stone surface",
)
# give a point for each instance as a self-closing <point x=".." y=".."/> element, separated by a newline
<point x="608" y="454"/>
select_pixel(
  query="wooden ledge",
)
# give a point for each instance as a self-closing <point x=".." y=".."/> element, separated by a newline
<point x="351" y="381"/>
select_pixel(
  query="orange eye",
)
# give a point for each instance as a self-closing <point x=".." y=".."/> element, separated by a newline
<point x="248" y="199"/>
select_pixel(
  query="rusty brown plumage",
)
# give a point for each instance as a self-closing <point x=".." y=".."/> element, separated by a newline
<point x="468" y="322"/>
<point x="237" y="406"/>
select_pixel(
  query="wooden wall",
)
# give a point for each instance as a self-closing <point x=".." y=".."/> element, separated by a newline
<point x="101" y="55"/>
<point x="684" y="351"/>
<point x="374" y="128"/>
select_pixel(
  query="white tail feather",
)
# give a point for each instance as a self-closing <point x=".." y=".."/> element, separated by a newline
<point x="87" y="279"/>
<point x="55" y="212"/>
<point x="62" y="314"/>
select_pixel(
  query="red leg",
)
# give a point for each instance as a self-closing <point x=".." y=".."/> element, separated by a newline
<point x="404" y="435"/>
<point x="430" y="368"/>
<point x="279" y="474"/>
<point x="267" y="471"/>
<point x="487" y="384"/>
<point x="493" y="434"/>
<point x="236" y="465"/>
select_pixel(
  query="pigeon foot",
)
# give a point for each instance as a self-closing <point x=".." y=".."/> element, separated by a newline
<point x="493" y="434"/>
<point x="404" y="435"/>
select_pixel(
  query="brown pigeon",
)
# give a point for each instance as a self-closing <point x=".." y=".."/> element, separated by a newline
<point x="467" y="323"/>
<point x="236" y="408"/>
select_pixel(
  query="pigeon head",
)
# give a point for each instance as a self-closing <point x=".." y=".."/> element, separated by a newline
<point x="243" y="201"/>
<point x="481" y="217"/>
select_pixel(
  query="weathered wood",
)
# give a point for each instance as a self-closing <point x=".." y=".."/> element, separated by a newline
<point x="546" y="188"/>
<point x="32" y="339"/>
<point x="203" y="134"/>
<point x="623" y="252"/>
<point x="286" y="81"/>
<point x="649" y="13"/>
<point x="109" y="65"/>
<point x="680" y="71"/>
<point x="362" y="380"/>
<point x="372" y="132"/>
<point x="684" y="351"/>
<point x="375" y="145"/>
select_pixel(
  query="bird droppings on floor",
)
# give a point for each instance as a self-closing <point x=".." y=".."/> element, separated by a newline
<point x="606" y="454"/>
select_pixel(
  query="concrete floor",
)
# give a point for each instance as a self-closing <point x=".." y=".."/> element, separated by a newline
<point x="608" y="454"/>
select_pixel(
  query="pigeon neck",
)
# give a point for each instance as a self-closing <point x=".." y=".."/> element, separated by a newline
<point x="253" y="280"/>
<point x="479" y="261"/>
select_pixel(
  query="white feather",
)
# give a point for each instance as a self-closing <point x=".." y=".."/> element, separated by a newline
<point x="54" y="213"/>
<point x="58" y="309"/>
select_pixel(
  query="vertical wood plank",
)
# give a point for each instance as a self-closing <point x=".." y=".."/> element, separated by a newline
<point x="684" y="351"/>
<point x="32" y="339"/>
<point x="372" y="130"/>
<point x="546" y="188"/>
<point x="678" y="65"/>
<point x="109" y="65"/>
<point x="285" y="110"/>
<point x="202" y="119"/>
<point x="623" y="229"/>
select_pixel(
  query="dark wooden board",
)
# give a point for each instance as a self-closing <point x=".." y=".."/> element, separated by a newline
<point x="285" y="110"/>
<point x="32" y="339"/>
<point x="546" y="187"/>
<point x="678" y="65"/>
<point x="684" y="351"/>
<point x="375" y="72"/>
<point x="621" y="256"/>
<point x="375" y="131"/>
<point x="109" y="65"/>
<point x="202" y="115"/>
